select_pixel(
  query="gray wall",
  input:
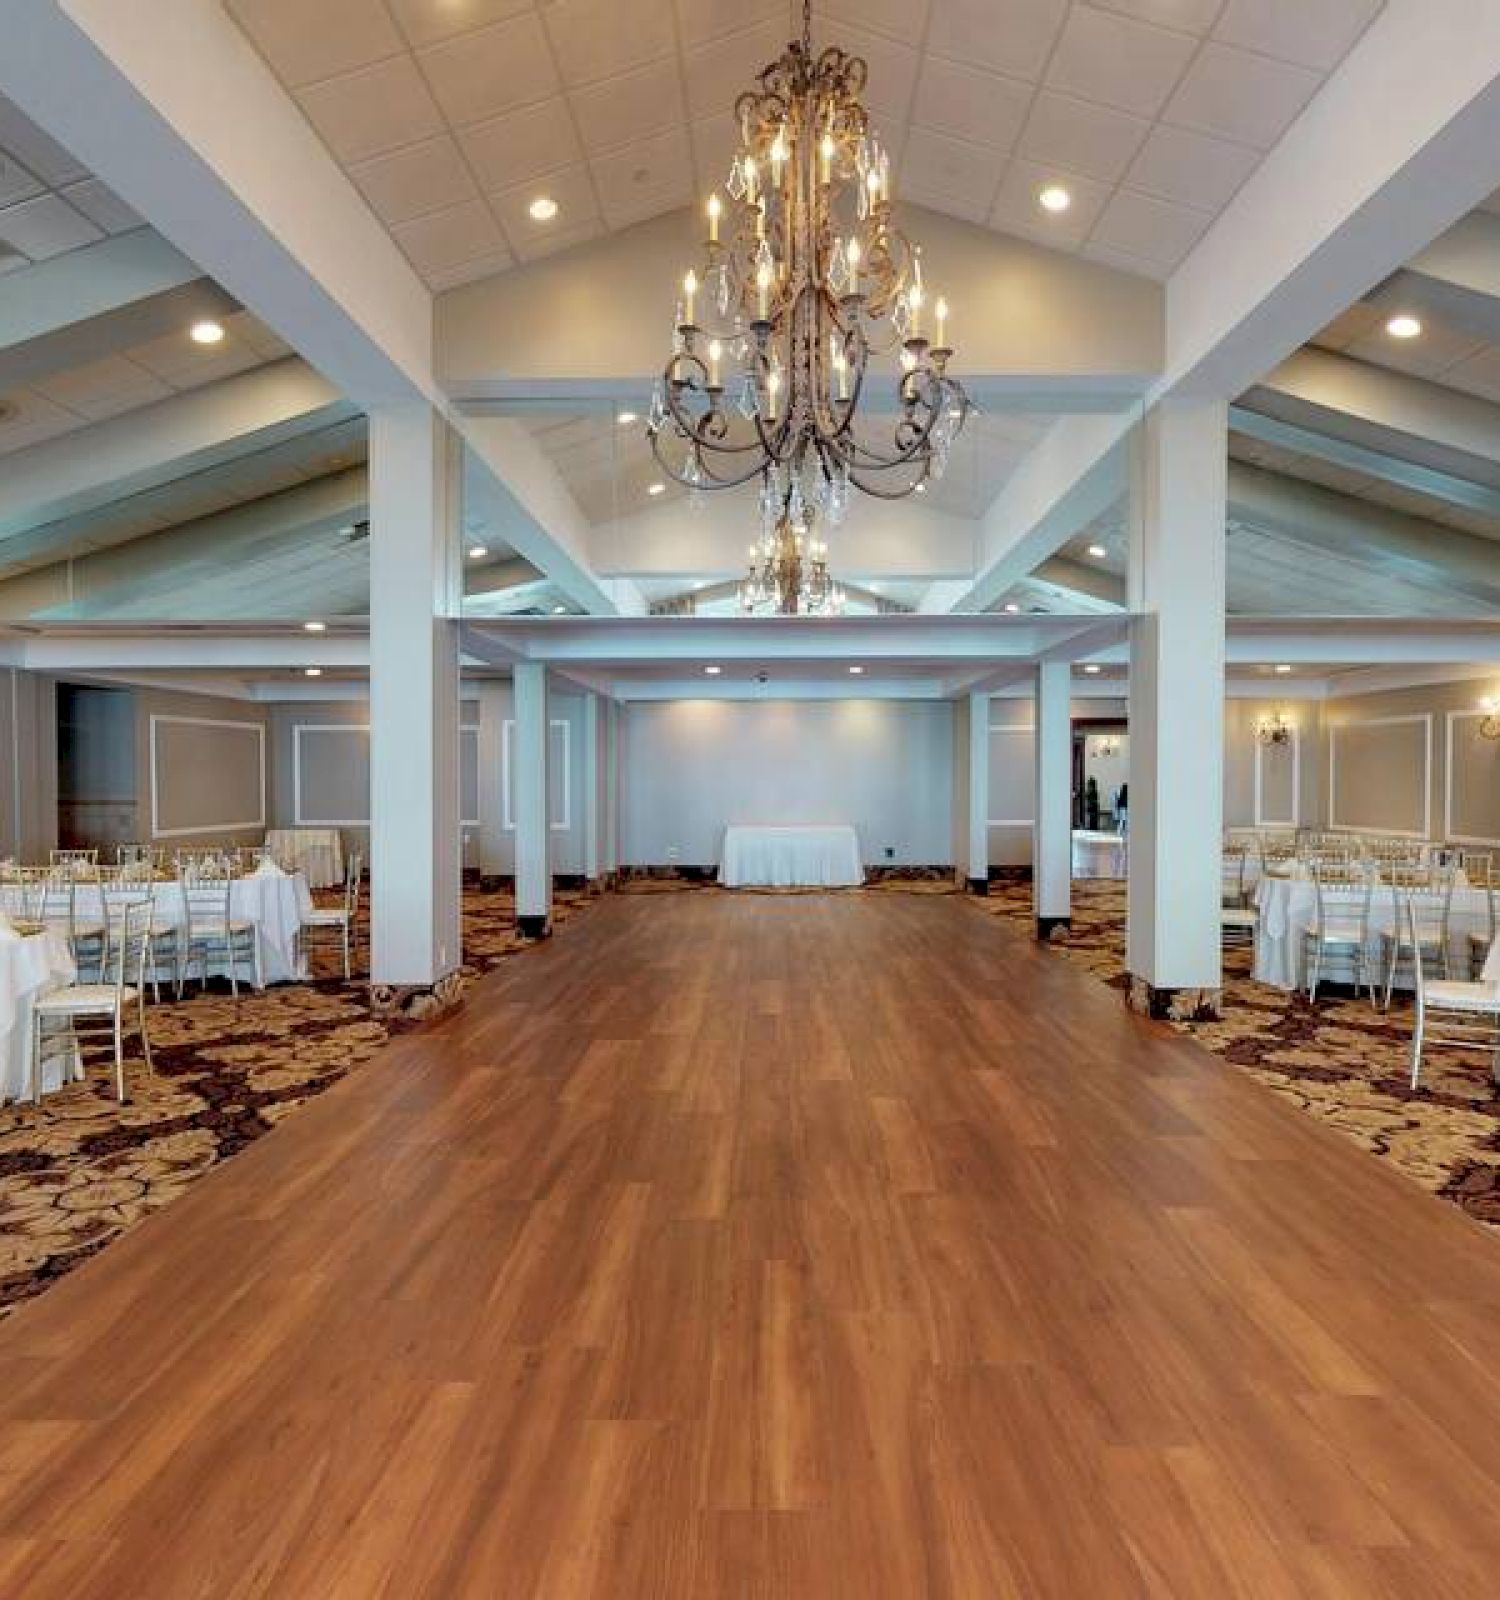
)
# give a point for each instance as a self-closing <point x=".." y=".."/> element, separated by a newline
<point x="28" y="764"/>
<point x="689" y="767"/>
<point x="207" y="778"/>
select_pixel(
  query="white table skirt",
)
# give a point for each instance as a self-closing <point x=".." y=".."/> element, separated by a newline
<point x="29" y="967"/>
<point x="1288" y="908"/>
<point x="816" y="857"/>
<point x="1097" y="854"/>
<point x="277" y="903"/>
<point x="317" y="853"/>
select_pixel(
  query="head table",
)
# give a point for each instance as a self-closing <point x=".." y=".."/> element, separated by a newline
<point x="825" y="857"/>
<point x="1288" y="906"/>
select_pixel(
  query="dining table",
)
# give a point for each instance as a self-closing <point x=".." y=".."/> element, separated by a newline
<point x="822" y="855"/>
<point x="31" y="964"/>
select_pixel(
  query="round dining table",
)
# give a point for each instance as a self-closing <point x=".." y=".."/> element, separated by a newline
<point x="31" y="964"/>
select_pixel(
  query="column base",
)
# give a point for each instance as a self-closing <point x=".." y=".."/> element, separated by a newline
<point x="977" y="885"/>
<point x="1047" y="926"/>
<point x="416" y="1002"/>
<point x="1174" y="1005"/>
<point x="539" y="927"/>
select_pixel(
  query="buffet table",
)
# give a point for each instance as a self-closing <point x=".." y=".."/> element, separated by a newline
<point x="1097" y="854"/>
<point x="795" y="857"/>
<point x="30" y="965"/>
<point x="1288" y="908"/>
<point x="317" y="853"/>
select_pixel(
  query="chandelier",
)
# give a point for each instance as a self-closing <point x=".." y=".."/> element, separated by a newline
<point x="804" y="284"/>
<point x="789" y="575"/>
<point x="1275" y="729"/>
<point x="1489" y="717"/>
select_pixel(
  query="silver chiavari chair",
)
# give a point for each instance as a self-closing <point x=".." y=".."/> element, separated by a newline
<point x="1340" y="933"/>
<point x="1463" y="1015"/>
<point x="1421" y="899"/>
<point x="211" y="931"/>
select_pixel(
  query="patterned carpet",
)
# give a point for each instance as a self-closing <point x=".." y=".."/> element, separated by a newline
<point x="1339" y="1061"/>
<point x="84" y="1169"/>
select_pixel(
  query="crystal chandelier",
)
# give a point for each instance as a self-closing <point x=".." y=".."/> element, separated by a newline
<point x="804" y="284"/>
<point x="1275" y="729"/>
<point x="1489" y="719"/>
<point x="789" y="575"/>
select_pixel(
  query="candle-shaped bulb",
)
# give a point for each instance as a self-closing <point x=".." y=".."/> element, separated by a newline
<point x="826" y="152"/>
<point x="773" y="387"/>
<point x="714" y="210"/>
<point x="853" y="254"/>
<point x="715" y="351"/>
<point x="747" y="167"/>
<point x="689" y="295"/>
<point x="914" y="306"/>
<point x="763" y="278"/>
<point x="940" y="310"/>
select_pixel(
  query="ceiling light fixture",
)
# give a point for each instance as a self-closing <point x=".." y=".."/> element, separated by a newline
<point x="1489" y="718"/>
<point x="543" y="208"/>
<point x="1275" y="729"/>
<point x="206" y="331"/>
<point x="656" y="489"/>
<point x="312" y="672"/>
<point x="856" y="672"/>
<point x="1403" y="326"/>
<point x="1282" y="668"/>
<point x="1054" y="198"/>
<point x="1011" y="607"/>
<point x="804" y="285"/>
<point x="1092" y="667"/>
<point x="477" y="552"/>
<point x="713" y="672"/>
<point x="559" y="611"/>
<point x="625" y="418"/>
<point x="315" y="627"/>
<point x="1098" y="552"/>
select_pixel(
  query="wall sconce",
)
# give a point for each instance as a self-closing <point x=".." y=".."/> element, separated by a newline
<point x="1274" y="729"/>
<point x="1106" y="746"/>
<point x="1489" y="723"/>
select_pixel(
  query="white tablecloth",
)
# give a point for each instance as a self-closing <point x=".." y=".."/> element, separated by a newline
<point x="277" y="903"/>
<point x="1097" y="854"/>
<point x="317" y="853"/>
<point x="28" y="967"/>
<point x="1288" y="908"/>
<point x="824" y="857"/>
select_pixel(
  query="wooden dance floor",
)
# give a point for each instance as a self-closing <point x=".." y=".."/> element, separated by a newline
<point x="806" y="1247"/>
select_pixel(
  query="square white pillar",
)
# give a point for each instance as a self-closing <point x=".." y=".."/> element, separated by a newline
<point x="592" y="791"/>
<point x="1176" y="593"/>
<point x="977" y="850"/>
<point x="1052" y="829"/>
<point x="415" y="845"/>
<point x="494" y="852"/>
<point x="529" y="746"/>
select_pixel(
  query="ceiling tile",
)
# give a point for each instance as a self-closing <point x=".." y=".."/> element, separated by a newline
<point x="512" y="148"/>
<point x="1312" y="35"/>
<point x="28" y="418"/>
<point x="220" y="364"/>
<point x="440" y="279"/>
<point x="538" y="246"/>
<point x="1016" y="209"/>
<point x="102" y="206"/>
<point x="1187" y="16"/>
<point x="893" y="73"/>
<point x="701" y="20"/>
<point x="970" y="31"/>
<point x="643" y="180"/>
<point x="1350" y="324"/>
<point x="16" y="183"/>
<point x="445" y="239"/>
<point x="573" y="191"/>
<point x="628" y="108"/>
<point x="173" y="357"/>
<point x="430" y="21"/>
<point x="102" y="388"/>
<point x="715" y="144"/>
<point x="45" y="226"/>
<point x="1191" y="168"/>
<point x="377" y="109"/>
<point x="719" y="71"/>
<point x="491" y="70"/>
<point x="1117" y="61"/>
<point x="431" y="176"/>
<point x="1124" y="261"/>
<point x="597" y="38"/>
<point x="964" y="103"/>
<point x="1080" y="136"/>
<point x="1240" y="96"/>
<point x="1437" y="349"/>
<point x="23" y="141"/>
<point x="950" y="173"/>
<point x="1151" y="229"/>
<point x="305" y="43"/>
<point x="901" y="19"/>
<point x="251" y="331"/>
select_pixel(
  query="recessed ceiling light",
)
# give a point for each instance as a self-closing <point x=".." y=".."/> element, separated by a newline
<point x="315" y="627"/>
<point x="206" y="332"/>
<point x="857" y="672"/>
<point x="712" y="672"/>
<point x="625" y="418"/>
<point x="477" y="551"/>
<point x="1012" y="607"/>
<point x="1098" y="552"/>
<point x="657" y="488"/>
<point x="543" y="208"/>
<point x="1091" y="667"/>
<point x="1282" y="667"/>
<point x="1403" y="326"/>
<point x="559" y="611"/>
<point x="312" y="672"/>
<point x="1054" y="198"/>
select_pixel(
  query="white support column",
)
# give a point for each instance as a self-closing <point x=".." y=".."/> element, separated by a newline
<point x="1052" y="831"/>
<point x="611" y="758"/>
<point x="592" y="796"/>
<point x="977" y="864"/>
<point x="1177" y="561"/>
<point x="494" y="709"/>
<point x="415" y="852"/>
<point x="530" y="741"/>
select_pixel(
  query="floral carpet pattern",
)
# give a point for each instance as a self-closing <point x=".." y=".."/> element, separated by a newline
<point x="1338" y="1060"/>
<point x="83" y="1169"/>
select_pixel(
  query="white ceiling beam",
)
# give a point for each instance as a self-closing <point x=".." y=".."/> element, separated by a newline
<point x="138" y="450"/>
<point x="1345" y="198"/>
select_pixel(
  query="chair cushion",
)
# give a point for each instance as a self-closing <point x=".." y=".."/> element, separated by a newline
<point x="78" y="998"/>
<point x="1453" y="995"/>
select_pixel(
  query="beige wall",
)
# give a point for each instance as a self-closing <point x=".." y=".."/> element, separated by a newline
<point x="202" y="776"/>
<point x="28" y="764"/>
<point x="1285" y="771"/>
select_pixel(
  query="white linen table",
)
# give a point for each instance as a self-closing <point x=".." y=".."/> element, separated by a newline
<point x="30" y="966"/>
<point x="276" y="902"/>
<point x="1097" y="854"/>
<point x="784" y="858"/>
<point x="317" y="853"/>
<point x="1288" y="908"/>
